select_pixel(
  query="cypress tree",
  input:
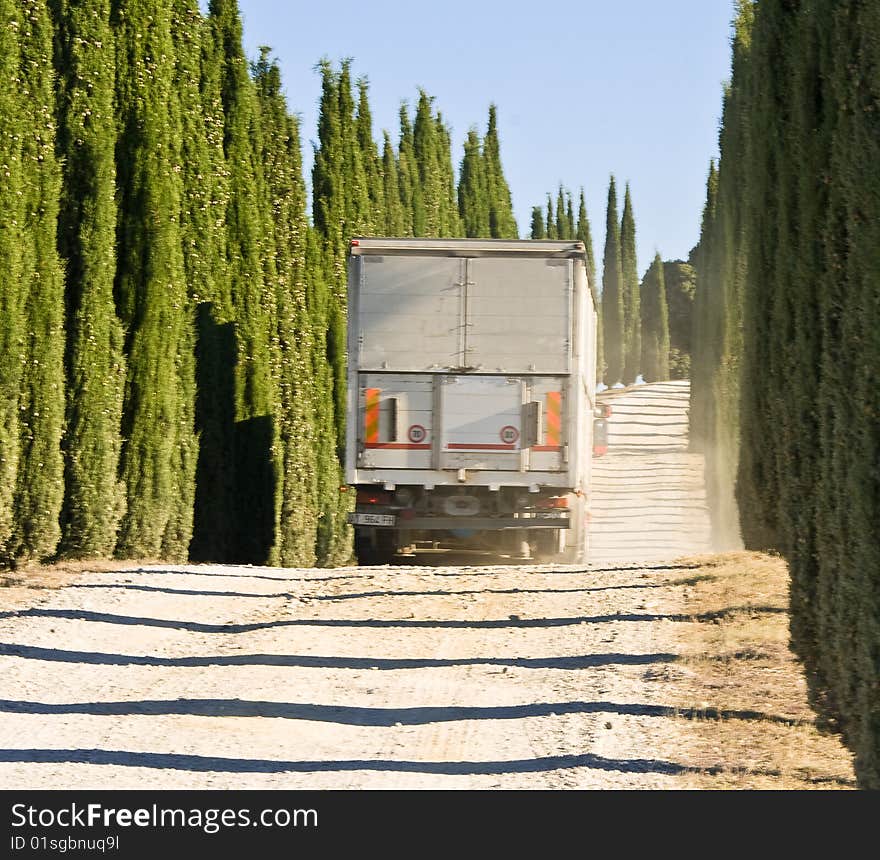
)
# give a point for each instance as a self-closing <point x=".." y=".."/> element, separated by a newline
<point x="612" y="294"/>
<point x="680" y="278"/>
<point x="295" y="419"/>
<point x="502" y="224"/>
<point x="247" y="251"/>
<point x="94" y="500"/>
<point x="333" y="538"/>
<point x="473" y="191"/>
<point x="338" y="185"/>
<point x="327" y="169"/>
<point x="425" y="151"/>
<point x="39" y="487"/>
<point x="393" y="213"/>
<point x="561" y="222"/>
<point x="655" y="324"/>
<point x="355" y="187"/>
<point x="584" y="234"/>
<point x="846" y="490"/>
<point x="551" y="221"/>
<point x="701" y="360"/>
<point x="569" y="216"/>
<point x="203" y="203"/>
<point x="537" y="228"/>
<point x="205" y="235"/>
<point x="450" y="222"/>
<point x="408" y="175"/>
<point x="727" y="270"/>
<point x="12" y="291"/>
<point x="369" y="157"/>
<point x="150" y="281"/>
<point x="632" y="325"/>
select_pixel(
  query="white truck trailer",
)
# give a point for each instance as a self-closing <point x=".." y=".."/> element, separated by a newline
<point x="471" y="379"/>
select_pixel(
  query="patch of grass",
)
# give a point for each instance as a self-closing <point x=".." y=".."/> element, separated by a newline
<point x="737" y="660"/>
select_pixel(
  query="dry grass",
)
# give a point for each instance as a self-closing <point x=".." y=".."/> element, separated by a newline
<point x="757" y="731"/>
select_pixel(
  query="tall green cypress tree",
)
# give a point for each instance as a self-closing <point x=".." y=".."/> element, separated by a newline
<point x="327" y="168"/>
<point x="569" y="217"/>
<point x="204" y="270"/>
<point x="247" y="250"/>
<point x="473" y="192"/>
<point x="338" y="186"/>
<point x="561" y="223"/>
<point x="502" y="224"/>
<point x="632" y="318"/>
<point x="655" y="324"/>
<point x="723" y="262"/>
<point x="39" y="487"/>
<point x="680" y="278"/>
<point x="584" y="234"/>
<point x="701" y="360"/>
<point x="537" y="227"/>
<point x="393" y="214"/>
<point x="94" y="499"/>
<point x="408" y="175"/>
<point x="150" y="281"/>
<point x="369" y="157"/>
<point x="425" y="149"/>
<point x="205" y="235"/>
<point x="333" y="539"/>
<point x="551" y="220"/>
<point x="296" y="529"/>
<point x="356" y="203"/>
<point x="450" y="222"/>
<point x="12" y="291"/>
<point x="612" y="294"/>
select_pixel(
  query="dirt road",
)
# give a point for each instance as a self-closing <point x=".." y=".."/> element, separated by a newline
<point x="458" y="677"/>
<point x="410" y="677"/>
<point x="648" y="496"/>
<point x="446" y="672"/>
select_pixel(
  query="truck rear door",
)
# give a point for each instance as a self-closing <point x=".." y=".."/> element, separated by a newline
<point x="481" y="422"/>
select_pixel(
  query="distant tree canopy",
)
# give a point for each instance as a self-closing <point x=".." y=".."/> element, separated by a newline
<point x="785" y="399"/>
<point x="681" y="284"/>
<point x="654" y="339"/>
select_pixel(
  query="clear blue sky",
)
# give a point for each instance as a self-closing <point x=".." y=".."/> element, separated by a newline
<point x="584" y="89"/>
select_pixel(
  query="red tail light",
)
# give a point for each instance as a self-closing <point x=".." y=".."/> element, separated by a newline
<point x="371" y="497"/>
<point x="555" y="502"/>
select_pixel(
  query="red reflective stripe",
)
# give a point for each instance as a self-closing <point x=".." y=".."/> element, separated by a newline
<point x="480" y="447"/>
<point x="552" y="448"/>
<point x="554" y="418"/>
<point x="371" y="415"/>
<point x="399" y="446"/>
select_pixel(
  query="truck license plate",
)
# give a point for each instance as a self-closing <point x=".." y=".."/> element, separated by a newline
<point x="371" y="519"/>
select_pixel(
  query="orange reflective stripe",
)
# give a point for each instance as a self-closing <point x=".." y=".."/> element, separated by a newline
<point x="554" y="418"/>
<point x="371" y="414"/>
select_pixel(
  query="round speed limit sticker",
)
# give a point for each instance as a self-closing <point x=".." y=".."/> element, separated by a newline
<point x="417" y="433"/>
<point x="509" y="434"/>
